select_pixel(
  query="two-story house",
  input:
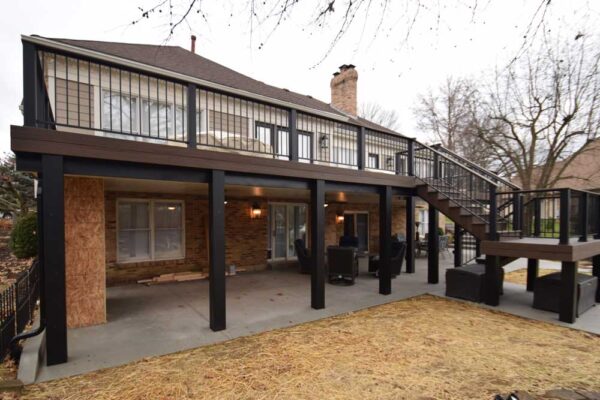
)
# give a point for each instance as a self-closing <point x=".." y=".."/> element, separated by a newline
<point x="153" y="159"/>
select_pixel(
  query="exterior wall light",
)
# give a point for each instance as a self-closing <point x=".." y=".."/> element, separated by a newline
<point x="339" y="217"/>
<point x="324" y="141"/>
<point x="389" y="162"/>
<point x="255" y="211"/>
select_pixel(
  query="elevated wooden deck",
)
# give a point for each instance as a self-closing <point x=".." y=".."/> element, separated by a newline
<point x="542" y="248"/>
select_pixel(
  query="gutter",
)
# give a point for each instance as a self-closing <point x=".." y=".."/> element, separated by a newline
<point x="182" y="77"/>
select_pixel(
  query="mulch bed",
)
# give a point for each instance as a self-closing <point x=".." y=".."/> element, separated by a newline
<point x="421" y="348"/>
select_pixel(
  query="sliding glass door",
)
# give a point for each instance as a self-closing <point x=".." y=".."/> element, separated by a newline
<point x="287" y="222"/>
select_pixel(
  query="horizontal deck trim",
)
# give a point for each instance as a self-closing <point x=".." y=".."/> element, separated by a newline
<point x="46" y="141"/>
<point x="542" y="249"/>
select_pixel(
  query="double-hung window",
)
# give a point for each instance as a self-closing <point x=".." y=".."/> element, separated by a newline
<point x="150" y="230"/>
<point x="373" y="161"/>
<point x="119" y="112"/>
<point x="305" y="146"/>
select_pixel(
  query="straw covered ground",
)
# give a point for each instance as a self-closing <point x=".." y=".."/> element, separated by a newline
<point x="519" y="276"/>
<point x="425" y="347"/>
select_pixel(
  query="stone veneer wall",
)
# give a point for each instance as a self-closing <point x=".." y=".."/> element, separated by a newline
<point x="85" y="251"/>
<point x="246" y="244"/>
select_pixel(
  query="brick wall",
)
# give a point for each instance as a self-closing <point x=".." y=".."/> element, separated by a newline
<point x="333" y="230"/>
<point x="344" y="89"/>
<point x="246" y="238"/>
<point x="84" y="252"/>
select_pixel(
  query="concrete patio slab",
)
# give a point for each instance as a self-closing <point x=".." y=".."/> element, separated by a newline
<point x="147" y="321"/>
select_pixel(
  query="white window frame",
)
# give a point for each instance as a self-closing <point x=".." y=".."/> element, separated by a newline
<point x="137" y="121"/>
<point x="151" y="202"/>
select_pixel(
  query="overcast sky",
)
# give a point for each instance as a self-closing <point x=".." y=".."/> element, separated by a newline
<point x="393" y="70"/>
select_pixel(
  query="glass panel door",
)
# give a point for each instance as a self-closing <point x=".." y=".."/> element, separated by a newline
<point x="362" y="231"/>
<point x="296" y="227"/>
<point x="288" y="223"/>
<point x="278" y="231"/>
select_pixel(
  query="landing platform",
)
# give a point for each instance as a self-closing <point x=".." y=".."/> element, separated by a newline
<point x="542" y="248"/>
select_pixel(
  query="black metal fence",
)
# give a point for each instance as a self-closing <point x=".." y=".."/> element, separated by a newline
<point x="17" y="306"/>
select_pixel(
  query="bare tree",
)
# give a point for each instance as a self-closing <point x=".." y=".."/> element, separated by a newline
<point x="542" y="111"/>
<point x="452" y="115"/>
<point x="374" y="112"/>
<point x="396" y="19"/>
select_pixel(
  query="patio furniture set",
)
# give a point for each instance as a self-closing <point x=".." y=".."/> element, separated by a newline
<point x="345" y="261"/>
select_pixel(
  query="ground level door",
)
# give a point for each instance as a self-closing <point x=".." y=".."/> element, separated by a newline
<point x="356" y="223"/>
<point x="287" y="222"/>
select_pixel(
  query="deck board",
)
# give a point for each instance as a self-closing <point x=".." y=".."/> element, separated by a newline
<point x="542" y="248"/>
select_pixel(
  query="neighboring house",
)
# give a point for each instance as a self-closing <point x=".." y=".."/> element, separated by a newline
<point x="583" y="171"/>
<point x="153" y="160"/>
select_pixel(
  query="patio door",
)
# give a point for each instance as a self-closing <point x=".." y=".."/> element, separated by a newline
<point x="357" y="224"/>
<point x="287" y="222"/>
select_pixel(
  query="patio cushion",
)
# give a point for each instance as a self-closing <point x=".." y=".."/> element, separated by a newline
<point x="546" y="292"/>
<point x="468" y="282"/>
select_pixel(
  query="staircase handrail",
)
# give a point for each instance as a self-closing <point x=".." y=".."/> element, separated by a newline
<point x="477" y="167"/>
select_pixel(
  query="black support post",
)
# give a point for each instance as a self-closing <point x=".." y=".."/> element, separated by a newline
<point x="192" y="129"/>
<point x="596" y="273"/>
<point x="568" y="292"/>
<point x="293" y="142"/>
<point x="433" y="247"/>
<point x="385" y="240"/>
<point x="516" y="203"/>
<point x="410" y="162"/>
<point x="565" y="215"/>
<point x="361" y="149"/>
<point x="458" y="245"/>
<point x="53" y="211"/>
<point x="216" y="200"/>
<point x="317" y="243"/>
<point x="533" y="267"/>
<point x="583" y="216"/>
<point x="410" y="234"/>
<point x="492" y="280"/>
<point x="493" y="214"/>
<point x="537" y="217"/>
<point x="30" y="84"/>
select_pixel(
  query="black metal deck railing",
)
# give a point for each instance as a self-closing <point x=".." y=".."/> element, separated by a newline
<point x="561" y="214"/>
<point x="79" y="94"/>
<point x="17" y="306"/>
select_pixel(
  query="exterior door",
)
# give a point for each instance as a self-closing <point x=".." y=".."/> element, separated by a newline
<point x="357" y="224"/>
<point x="287" y="223"/>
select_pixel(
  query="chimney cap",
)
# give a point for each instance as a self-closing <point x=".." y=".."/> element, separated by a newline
<point x="344" y="67"/>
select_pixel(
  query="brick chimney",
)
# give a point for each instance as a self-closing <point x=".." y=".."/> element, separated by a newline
<point x="193" y="48"/>
<point x="343" y="89"/>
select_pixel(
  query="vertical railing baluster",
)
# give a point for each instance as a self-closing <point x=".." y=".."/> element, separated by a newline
<point x="565" y="214"/>
<point x="583" y="216"/>
<point x="191" y="116"/>
<point x="493" y="213"/>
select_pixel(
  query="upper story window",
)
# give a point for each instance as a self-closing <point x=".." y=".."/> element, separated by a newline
<point x="343" y="155"/>
<point x="163" y="119"/>
<point x="119" y="112"/>
<point x="305" y="146"/>
<point x="150" y="230"/>
<point x="373" y="161"/>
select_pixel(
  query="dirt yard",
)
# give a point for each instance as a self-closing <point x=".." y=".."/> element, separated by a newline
<point x="422" y="348"/>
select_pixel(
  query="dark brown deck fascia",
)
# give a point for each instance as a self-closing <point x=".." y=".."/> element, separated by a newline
<point x="46" y="141"/>
<point x="542" y="249"/>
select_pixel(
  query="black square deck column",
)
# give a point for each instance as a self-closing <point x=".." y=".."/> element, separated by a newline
<point x="596" y="273"/>
<point x="568" y="292"/>
<point x="385" y="240"/>
<point x="458" y="245"/>
<point x="317" y="243"/>
<point x="53" y="211"/>
<point x="533" y="267"/>
<point x="216" y="267"/>
<point x="410" y="234"/>
<point x="492" y="280"/>
<point x="433" y="247"/>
